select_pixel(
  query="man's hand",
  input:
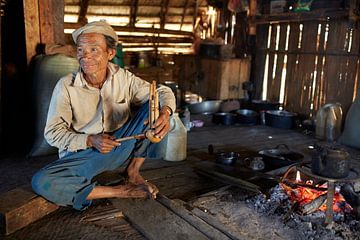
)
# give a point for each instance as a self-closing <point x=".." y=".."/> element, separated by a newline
<point x="162" y="124"/>
<point x="104" y="143"/>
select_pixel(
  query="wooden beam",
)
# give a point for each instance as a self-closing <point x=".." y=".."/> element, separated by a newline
<point x="133" y="12"/>
<point x="32" y="28"/>
<point x="20" y="207"/>
<point x="84" y="4"/>
<point x="315" y="15"/>
<point x="137" y="29"/>
<point x="163" y="12"/>
<point x="51" y="19"/>
<point x="150" y="39"/>
<point x="184" y="13"/>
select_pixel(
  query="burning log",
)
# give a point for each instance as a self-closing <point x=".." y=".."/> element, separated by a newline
<point x="313" y="205"/>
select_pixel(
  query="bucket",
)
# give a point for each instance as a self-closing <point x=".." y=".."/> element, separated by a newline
<point x="176" y="140"/>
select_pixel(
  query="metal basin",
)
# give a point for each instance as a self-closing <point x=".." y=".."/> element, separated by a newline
<point x="205" y="107"/>
<point x="224" y="118"/>
<point x="280" y="119"/>
<point x="246" y="116"/>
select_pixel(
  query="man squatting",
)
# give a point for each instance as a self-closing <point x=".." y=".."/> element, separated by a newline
<point x="88" y="111"/>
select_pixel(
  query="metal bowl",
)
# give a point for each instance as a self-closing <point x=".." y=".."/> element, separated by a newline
<point x="205" y="107"/>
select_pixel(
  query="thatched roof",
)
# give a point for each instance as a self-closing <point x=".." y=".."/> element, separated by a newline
<point x="139" y="21"/>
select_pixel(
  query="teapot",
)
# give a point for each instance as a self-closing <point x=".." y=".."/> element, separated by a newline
<point x="331" y="162"/>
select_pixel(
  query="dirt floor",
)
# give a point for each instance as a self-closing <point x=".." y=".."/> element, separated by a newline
<point x="191" y="205"/>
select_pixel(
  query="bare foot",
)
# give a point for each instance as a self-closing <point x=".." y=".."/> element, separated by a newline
<point x="137" y="179"/>
<point x="132" y="191"/>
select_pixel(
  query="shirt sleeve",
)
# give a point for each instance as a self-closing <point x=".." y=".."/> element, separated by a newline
<point x="58" y="131"/>
<point x="139" y="90"/>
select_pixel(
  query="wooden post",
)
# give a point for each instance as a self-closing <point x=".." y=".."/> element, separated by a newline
<point x="51" y="16"/>
<point x="32" y="30"/>
<point x="44" y="23"/>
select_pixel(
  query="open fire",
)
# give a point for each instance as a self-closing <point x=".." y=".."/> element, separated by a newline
<point x="309" y="196"/>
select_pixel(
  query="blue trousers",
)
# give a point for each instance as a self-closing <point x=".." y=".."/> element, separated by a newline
<point x="67" y="181"/>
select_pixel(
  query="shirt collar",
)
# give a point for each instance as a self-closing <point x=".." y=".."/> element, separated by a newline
<point x="80" y="81"/>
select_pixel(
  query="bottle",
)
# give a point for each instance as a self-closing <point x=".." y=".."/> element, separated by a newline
<point x="176" y="144"/>
<point x="186" y="119"/>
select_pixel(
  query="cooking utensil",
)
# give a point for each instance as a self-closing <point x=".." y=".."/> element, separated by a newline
<point x="223" y="157"/>
<point x="205" y="107"/>
<point x="332" y="162"/>
<point x="280" y="119"/>
<point x="227" y="158"/>
<point x="224" y="118"/>
<point x="247" y="116"/>
<point x="280" y="156"/>
<point x="255" y="163"/>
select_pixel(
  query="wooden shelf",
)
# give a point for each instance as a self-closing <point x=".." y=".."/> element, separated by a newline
<point x="315" y="15"/>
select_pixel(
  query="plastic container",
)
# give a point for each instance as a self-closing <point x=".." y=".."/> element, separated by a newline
<point x="328" y="122"/>
<point x="176" y="140"/>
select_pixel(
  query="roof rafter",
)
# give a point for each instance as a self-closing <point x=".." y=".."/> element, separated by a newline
<point x="84" y="4"/>
<point x="133" y="12"/>
<point x="184" y="13"/>
<point x="163" y="12"/>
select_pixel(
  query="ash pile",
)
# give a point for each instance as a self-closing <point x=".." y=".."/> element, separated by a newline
<point x="277" y="204"/>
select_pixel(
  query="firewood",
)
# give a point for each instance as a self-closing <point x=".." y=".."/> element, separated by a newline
<point x="313" y="205"/>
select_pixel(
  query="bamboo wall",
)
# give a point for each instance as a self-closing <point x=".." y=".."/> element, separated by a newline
<point x="318" y="62"/>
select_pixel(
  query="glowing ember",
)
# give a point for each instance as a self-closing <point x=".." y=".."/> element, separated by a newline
<point x="304" y="195"/>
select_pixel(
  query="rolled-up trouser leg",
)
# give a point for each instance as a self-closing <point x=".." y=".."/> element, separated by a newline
<point x="67" y="181"/>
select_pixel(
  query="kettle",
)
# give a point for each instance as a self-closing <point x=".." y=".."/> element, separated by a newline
<point x="331" y="162"/>
<point x="328" y="122"/>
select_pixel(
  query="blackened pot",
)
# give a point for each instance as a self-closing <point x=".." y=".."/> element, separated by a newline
<point x="246" y="116"/>
<point x="280" y="119"/>
<point x="224" y="118"/>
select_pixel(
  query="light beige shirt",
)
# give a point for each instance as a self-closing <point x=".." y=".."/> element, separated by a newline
<point x="77" y="109"/>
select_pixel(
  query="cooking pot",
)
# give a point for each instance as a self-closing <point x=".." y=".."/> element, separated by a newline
<point x="227" y="158"/>
<point x="280" y="119"/>
<point x="246" y="116"/>
<point x="332" y="162"/>
<point x="224" y="118"/>
<point x="280" y="156"/>
<point x="205" y="107"/>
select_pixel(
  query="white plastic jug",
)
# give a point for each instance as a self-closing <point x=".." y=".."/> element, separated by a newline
<point x="176" y="141"/>
<point x="328" y="122"/>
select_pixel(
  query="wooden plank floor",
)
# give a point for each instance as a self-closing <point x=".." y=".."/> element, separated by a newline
<point x="175" y="179"/>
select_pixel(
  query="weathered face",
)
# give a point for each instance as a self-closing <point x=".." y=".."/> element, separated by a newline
<point x="92" y="53"/>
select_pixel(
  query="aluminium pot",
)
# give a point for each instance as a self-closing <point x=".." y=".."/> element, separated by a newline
<point x="280" y="119"/>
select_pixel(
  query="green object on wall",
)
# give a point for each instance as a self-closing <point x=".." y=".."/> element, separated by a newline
<point x="119" y="57"/>
<point x="303" y="5"/>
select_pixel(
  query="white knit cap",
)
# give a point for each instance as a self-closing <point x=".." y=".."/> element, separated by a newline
<point x="100" y="27"/>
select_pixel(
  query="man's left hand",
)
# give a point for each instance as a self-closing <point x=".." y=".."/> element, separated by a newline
<point x="162" y="124"/>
